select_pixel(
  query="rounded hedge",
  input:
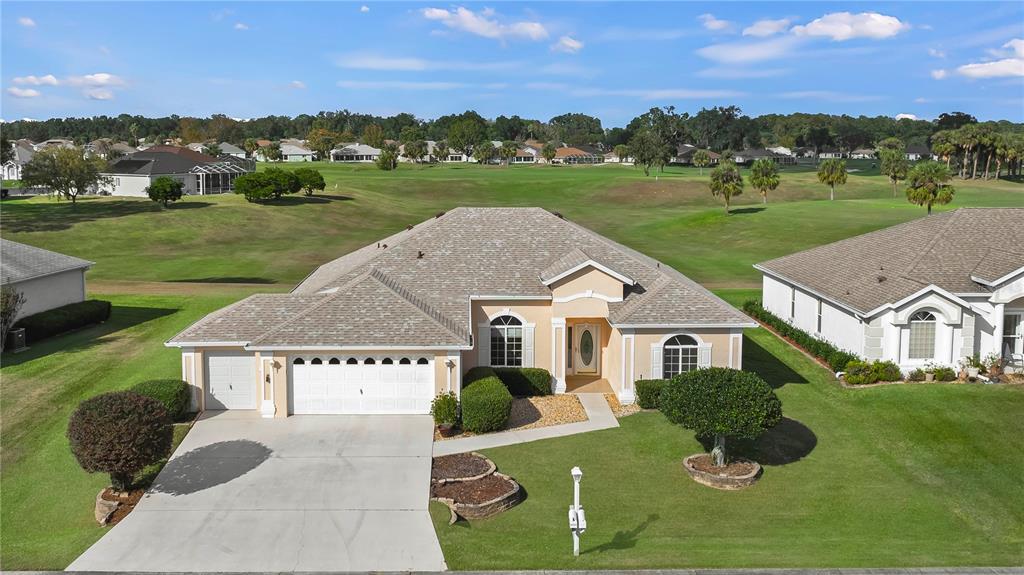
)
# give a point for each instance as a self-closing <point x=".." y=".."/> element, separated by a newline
<point x="445" y="409"/>
<point x="485" y="405"/>
<point x="119" y="433"/>
<point x="648" y="392"/>
<point x="174" y="394"/>
<point x="719" y="401"/>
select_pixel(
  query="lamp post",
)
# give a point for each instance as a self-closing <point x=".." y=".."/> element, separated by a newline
<point x="577" y="519"/>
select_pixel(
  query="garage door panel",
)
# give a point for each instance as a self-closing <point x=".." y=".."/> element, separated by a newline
<point x="230" y="380"/>
<point x="361" y="385"/>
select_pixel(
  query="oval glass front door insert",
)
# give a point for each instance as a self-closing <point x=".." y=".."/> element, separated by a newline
<point x="586" y="347"/>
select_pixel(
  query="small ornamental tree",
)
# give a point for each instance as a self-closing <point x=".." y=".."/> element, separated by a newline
<point x="311" y="180"/>
<point x="548" y="152"/>
<point x="388" y="158"/>
<point x="622" y="153"/>
<point x="165" y="189"/>
<point x="283" y="181"/>
<point x="119" y="433"/>
<point x="441" y="151"/>
<point x="255" y="187"/>
<point x="726" y="182"/>
<point x="721" y="402"/>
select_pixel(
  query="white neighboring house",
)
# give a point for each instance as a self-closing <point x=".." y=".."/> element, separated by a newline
<point x="227" y="149"/>
<point x="355" y="153"/>
<point x="23" y="152"/>
<point x="290" y="152"/>
<point x="201" y="174"/>
<point x="862" y="154"/>
<point x="831" y="154"/>
<point x="431" y="144"/>
<point x="918" y="152"/>
<point x="47" y="279"/>
<point x="930" y="291"/>
<point x="782" y="151"/>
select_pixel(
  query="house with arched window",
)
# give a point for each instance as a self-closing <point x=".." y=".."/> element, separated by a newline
<point x="931" y="291"/>
<point x="387" y="327"/>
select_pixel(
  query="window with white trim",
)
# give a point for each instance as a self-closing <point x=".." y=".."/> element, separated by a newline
<point x="679" y="355"/>
<point x="506" y="341"/>
<point x="921" y="342"/>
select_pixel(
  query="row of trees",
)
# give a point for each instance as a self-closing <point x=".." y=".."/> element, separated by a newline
<point x="975" y="146"/>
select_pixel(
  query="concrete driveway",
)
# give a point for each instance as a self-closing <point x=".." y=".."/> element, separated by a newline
<point x="306" y="493"/>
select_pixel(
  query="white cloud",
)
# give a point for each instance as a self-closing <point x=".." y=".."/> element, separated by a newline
<point x="485" y="24"/>
<point x="364" y="8"/>
<point x="297" y="84"/>
<point x="399" y="85"/>
<point x="1011" y="64"/>
<point x="1017" y="45"/>
<point x="749" y="51"/>
<point x="47" y="80"/>
<point x="906" y="117"/>
<point x="939" y="74"/>
<point x="99" y="79"/>
<point x="828" y="96"/>
<point x="241" y="26"/>
<point x="26" y="22"/>
<point x="99" y="94"/>
<point x="567" y="44"/>
<point x="763" y="28"/>
<point x="936" y="53"/>
<point x="841" y="26"/>
<point x="921" y="100"/>
<point x="369" y="61"/>
<point x="711" y="23"/>
<point x="23" y="92"/>
<point x="738" y="73"/>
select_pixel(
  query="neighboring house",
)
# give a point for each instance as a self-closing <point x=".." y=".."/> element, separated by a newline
<point x="831" y="154"/>
<point x="684" y="155"/>
<point x="22" y="154"/>
<point x="862" y="154"/>
<point x="47" y="279"/>
<point x="933" y="290"/>
<point x="918" y="152"/>
<point x="290" y="152"/>
<point x="804" y="152"/>
<point x="526" y="155"/>
<point x="428" y="158"/>
<point x="387" y="327"/>
<point x="227" y="149"/>
<point x="107" y="148"/>
<point x="781" y="150"/>
<point x="751" y="155"/>
<point x="576" y="155"/>
<point x="355" y="152"/>
<point x="55" y="143"/>
<point x="201" y="174"/>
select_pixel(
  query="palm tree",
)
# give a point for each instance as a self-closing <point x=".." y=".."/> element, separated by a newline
<point x="701" y="158"/>
<point x="726" y="182"/>
<point x="764" y="176"/>
<point x="928" y="184"/>
<point x="508" y="151"/>
<point x="832" y="173"/>
<point x="894" y="165"/>
<point x="441" y="151"/>
<point x="250" y="146"/>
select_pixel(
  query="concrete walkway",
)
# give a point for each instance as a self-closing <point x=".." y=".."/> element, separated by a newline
<point x="599" y="416"/>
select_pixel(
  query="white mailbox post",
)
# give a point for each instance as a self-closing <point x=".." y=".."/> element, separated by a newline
<point x="577" y="518"/>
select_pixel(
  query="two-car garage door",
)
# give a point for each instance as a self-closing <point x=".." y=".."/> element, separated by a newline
<point x="361" y="385"/>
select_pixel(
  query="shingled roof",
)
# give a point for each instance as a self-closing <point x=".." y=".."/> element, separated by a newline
<point x="950" y="250"/>
<point x="414" y="287"/>
<point x="21" y="262"/>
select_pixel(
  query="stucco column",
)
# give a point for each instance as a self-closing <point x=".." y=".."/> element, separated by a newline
<point x="998" y="321"/>
<point x="627" y="395"/>
<point x="558" y="353"/>
<point x="267" y="393"/>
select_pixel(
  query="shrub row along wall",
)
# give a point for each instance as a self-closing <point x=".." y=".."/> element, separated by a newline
<point x="63" y="319"/>
<point x="174" y="394"/>
<point x="520" y="381"/>
<point x="826" y="352"/>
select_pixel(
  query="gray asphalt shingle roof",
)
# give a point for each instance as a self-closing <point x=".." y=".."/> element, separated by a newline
<point x="414" y="287"/>
<point x="885" y="266"/>
<point x="20" y="262"/>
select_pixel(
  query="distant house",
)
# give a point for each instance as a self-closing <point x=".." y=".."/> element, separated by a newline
<point x="227" y="149"/>
<point x="23" y="152"/>
<point x="803" y="152"/>
<point x="290" y="152"/>
<point x="55" y="143"/>
<point x="355" y="153"/>
<point x="918" y="152"/>
<point x="428" y="157"/>
<point x="526" y="155"/>
<point x="862" y="154"/>
<point x="613" y="158"/>
<point x="831" y="153"/>
<point x="577" y="155"/>
<point x="752" y="155"/>
<point x="781" y="150"/>
<point x="200" y="173"/>
<point x="47" y="279"/>
<point x="684" y="155"/>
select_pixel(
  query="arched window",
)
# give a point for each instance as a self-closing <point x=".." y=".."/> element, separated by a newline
<point x="299" y="361"/>
<point x="352" y="361"/>
<point x="405" y="361"/>
<point x="334" y="361"/>
<point x="369" y="361"/>
<point x="921" y="343"/>
<point x="387" y="361"/>
<point x="422" y="361"/>
<point x="506" y="341"/>
<point x="316" y="361"/>
<point x="679" y="355"/>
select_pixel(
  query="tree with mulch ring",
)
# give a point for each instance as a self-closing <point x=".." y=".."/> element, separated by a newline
<point x="721" y="403"/>
<point x="460" y="467"/>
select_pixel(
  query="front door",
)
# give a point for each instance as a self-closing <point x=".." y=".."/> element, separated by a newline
<point x="1013" y="334"/>
<point x="588" y="348"/>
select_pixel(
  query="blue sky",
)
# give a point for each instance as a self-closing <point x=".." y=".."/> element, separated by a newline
<point x="538" y="60"/>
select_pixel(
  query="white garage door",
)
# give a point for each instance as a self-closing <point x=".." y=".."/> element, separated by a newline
<point x="230" y="380"/>
<point x="361" y="385"/>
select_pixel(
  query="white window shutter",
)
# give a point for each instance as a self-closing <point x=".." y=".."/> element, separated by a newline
<point x="655" y="361"/>
<point x="483" y="345"/>
<point x="528" y="346"/>
<point x="704" y="355"/>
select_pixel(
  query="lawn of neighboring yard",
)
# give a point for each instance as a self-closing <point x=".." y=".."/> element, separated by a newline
<point x="908" y="475"/>
<point x="47" y="514"/>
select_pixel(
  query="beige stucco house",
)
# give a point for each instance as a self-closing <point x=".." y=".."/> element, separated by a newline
<point x="385" y="328"/>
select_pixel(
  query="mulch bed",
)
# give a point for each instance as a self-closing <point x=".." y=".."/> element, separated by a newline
<point x="456" y="466"/>
<point x="732" y="469"/>
<point x="128" y="501"/>
<point x="534" y="412"/>
<point x="619" y="410"/>
<point x="474" y="492"/>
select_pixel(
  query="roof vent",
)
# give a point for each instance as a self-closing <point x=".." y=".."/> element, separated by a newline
<point x="408" y="227"/>
<point x="385" y="246"/>
<point x="419" y="255"/>
<point x="378" y="245"/>
<point x="881" y="279"/>
<point x="559" y="215"/>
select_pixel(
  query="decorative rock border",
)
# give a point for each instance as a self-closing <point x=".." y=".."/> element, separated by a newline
<point x="104" y="509"/>
<point x="487" y="509"/>
<point x="491" y="468"/>
<point x="720" y="481"/>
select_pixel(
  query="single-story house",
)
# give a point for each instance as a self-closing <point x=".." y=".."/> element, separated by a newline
<point x="428" y="158"/>
<point x="862" y="154"/>
<point x="781" y="150"/>
<point x="387" y="327"/>
<point x="577" y="155"/>
<point x="803" y="152"/>
<point x="23" y="152"/>
<point x="200" y="173"/>
<point x="47" y="279"/>
<point x="55" y="143"/>
<point x="685" y="152"/>
<point x="916" y="152"/>
<point x="751" y="155"/>
<point x="290" y="152"/>
<point x="229" y="149"/>
<point x="355" y="152"/>
<point x="932" y="290"/>
<point x="829" y="153"/>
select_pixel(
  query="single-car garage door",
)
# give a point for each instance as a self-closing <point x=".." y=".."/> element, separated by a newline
<point x="361" y="385"/>
<point x="230" y="380"/>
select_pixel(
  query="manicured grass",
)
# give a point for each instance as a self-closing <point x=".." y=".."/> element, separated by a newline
<point x="46" y="518"/>
<point x="890" y="476"/>
<point x="670" y="215"/>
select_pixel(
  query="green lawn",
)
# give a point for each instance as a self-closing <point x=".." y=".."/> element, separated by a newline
<point x="46" y="517"/>
<point x="889" y="476"/>
<point x="671" y="216"/>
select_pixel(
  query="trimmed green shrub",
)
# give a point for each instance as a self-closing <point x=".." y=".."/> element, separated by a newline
<point x="525" y="381"/>
<point x="830" y="354"/>
<point x="485" y="405"/>
<point x="648" y="392"/>
<point x="174" y="394"/>
<point x="862" y="372"/>
<point x="916" y="375"/>
<point x="445" y="409"/>
<point x="945" y="374"/>
<point x="476" y="374"/>
<point x="119" y="433"/>
<point x="63" y="319"/>
<point x="886" y="371"/>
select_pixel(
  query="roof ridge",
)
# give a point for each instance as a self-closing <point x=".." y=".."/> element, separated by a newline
<point x="630" y="306"/>
<point x="919" y="257"/>
<point x="418" y="302"/>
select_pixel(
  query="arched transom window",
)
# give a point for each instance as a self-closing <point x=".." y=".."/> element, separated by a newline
<point x="921" y="344"/>
<point x="679" y="355"/>
<point x="506" y="341"/>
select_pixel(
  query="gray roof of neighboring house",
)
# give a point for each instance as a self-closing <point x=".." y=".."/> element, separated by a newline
<point x="919" y="149"/>
<point x="228" y="148"/>
<point x="160" y="160"/>
<point x="885" y="266"/>
<point x="414" y="287"/>
<point x="356" y="150"/>
<point x="20" y="262"/>
<point x="23" y="153"/>
<point x="294" y="150"/>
